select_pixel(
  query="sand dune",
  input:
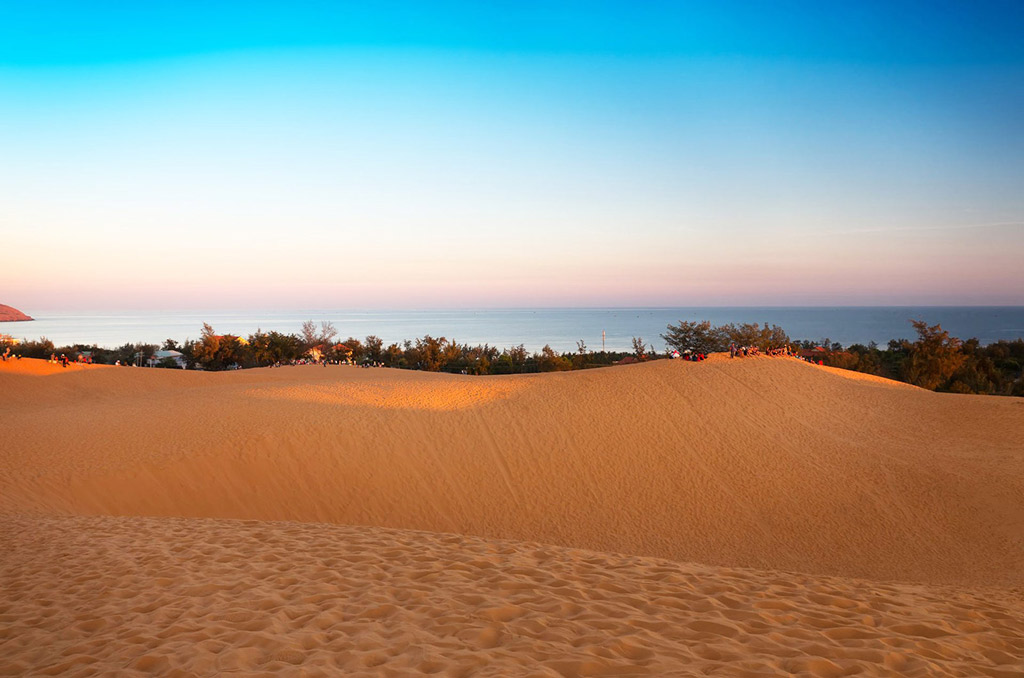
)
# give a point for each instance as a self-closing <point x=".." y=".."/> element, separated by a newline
<point x="903" y="510"/>
<point x="754" y="463"/>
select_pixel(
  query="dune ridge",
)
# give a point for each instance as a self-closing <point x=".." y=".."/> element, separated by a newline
<point x="755" y="517"/>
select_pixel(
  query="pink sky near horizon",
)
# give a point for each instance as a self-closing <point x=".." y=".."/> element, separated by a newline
<point x="878" y="270"/>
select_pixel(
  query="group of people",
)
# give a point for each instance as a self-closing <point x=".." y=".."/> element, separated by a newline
<point x="325" y="363"/>
<point x="688" y="355"/>
<point x="734" y="352"/>
<point x="64" y="360"/>
<point x="745" y="351"/>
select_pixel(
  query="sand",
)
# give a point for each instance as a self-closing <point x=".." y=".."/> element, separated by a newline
<point x="750" y="517"/>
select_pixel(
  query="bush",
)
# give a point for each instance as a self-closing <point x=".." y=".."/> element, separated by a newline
<point x="43" y="348"/>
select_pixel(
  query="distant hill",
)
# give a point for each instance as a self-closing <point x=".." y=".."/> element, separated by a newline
<point x="11" y="314"/>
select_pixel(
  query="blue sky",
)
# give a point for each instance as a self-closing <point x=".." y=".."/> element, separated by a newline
<point x="479" y="154"/>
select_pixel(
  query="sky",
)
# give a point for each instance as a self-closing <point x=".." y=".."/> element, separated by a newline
<point x="257" y="155"/>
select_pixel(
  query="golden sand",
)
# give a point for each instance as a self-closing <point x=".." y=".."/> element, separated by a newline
<point x="467" y="526"/>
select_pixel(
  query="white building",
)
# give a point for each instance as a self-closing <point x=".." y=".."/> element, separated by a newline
<point x="157" y="356"/>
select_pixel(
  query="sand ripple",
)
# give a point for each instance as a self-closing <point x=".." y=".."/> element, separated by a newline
<point x="145" y="596"/>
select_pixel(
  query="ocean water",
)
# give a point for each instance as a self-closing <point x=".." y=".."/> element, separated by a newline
<point x="561" y="328"/>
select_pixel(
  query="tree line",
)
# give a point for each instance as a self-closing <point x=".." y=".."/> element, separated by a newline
<point x="935" y="360"/>
<point x="319" y="343"/>
<point x="939" y="362"/>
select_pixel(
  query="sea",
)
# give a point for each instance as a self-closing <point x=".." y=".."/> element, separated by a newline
<point x="561" y="328"/>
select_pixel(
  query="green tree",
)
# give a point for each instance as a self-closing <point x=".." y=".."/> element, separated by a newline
<point x="639" y="349"/>
<point x="698" y="337"/>
<point x="480" y="358"/>
<point x="374" y="348"/>
<point x="218" y="351"/>
<point x="393" y="356"/>
<point x="764" y="337"/>
<point x="205" y="350"/>
<point x="283" y="347"/>
<point x="550" y="361"/>
<point x="259" y="348"/>
<point x="453" y="356"/>
<point x="933" y="358"/>
<point x="517" y="356"/>
<point x="429" y="351"/>
<point x="858" y="358"/>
